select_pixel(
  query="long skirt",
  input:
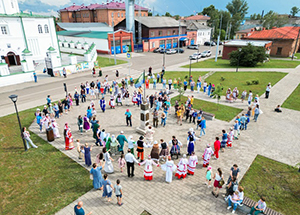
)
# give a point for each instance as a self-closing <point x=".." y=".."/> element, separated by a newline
<point x="155" y="154"/>
<point x="164" y="152"/>
<point x="190" y="148"/>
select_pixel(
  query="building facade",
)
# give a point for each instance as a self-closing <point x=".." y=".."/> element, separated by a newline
<point x="158" y="32"/>
<point x="198" y="33"/>
<point x="99" y="12"/>
<point x="23" y="31"/>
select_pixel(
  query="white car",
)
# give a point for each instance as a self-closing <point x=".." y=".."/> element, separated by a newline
<point x="195" y="56"/>
<point x="170" y="51"/>
<point x="206" y="54"/>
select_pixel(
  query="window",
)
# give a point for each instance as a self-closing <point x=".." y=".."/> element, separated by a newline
<point x="153" y="44"/>
<point x="40" y="29"/>
<point x="46" y="29"/>
<point x="174" y="32"/>
<point x="152" y="33"/>
<point x="169" y="32"/>
<point x="12" y="4"/>
<point x="73" y="15"/>
<point x="160" y="33"/>
<point x="122" y="15"/>
<point x="8" y="45"/>
<point x="3" y="30"/>
<point x="118" y="14"/>
<point x="279" y="50"/>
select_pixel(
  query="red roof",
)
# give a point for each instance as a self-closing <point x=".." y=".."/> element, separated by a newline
<point x="197" y="17"/>
<point x="286" y="33"/>
<point x="114" y="5"/>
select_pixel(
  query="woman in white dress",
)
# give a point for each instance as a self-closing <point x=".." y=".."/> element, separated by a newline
<point x="148" y="171"/>
<point x="55" y="129"/>
<point x="169" y="167"/>
<point x="108" y="168"/>
<point x="182" y="168"/>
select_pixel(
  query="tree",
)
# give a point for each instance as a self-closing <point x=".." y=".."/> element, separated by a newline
<point x="212" y="12"/>
<point x="218" y="93"/>
<point x="180" y="89"/>
<point x="255" y="16"/>
<point x="177" y="17"/>
<point x="249" y="56"/>
<point x="168" y="14"/>
<point x="150" y="14"/>
<point x="238" y="9"/>
<point x="272" y="19"/>
<point x="294" y="11"/>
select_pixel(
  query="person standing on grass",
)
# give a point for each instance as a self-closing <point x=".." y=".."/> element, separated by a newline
<point x="118" y="191"/>
<point x="78" y="210"/>
<point x="268" y="89"/>
<point x="128" y="117"/>
<point x="26" y="137"/>
<point x="170" y="83"/>
<point x="185" y="83"/>
<point x="198" y="86"/>
<point x="259" y="207"/>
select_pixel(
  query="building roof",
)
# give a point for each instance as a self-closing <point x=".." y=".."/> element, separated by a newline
<point x="248" y="30"/>
<point x="285" y="33"/>
<point x="113" y="5"/>
<point x="241" y="43"/>
<point x="158" y="21"/>
<point x="197" y="17"/>
<point x="193" y="25"/>
<point x="25" y="15"/>
<point x="86" y="26"/>
<point x="88" y="34"/>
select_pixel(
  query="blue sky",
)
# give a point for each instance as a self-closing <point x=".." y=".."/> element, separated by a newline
<point x="181" y="7"/>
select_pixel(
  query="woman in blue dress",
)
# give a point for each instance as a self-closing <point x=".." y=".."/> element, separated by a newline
<point x="87" y="154"/>
<point x="224" y="140"/>
<point x="97" y="176"/>
<point x="107" y="188"/>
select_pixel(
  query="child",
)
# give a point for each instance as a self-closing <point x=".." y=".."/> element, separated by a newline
<point x="208" y="176"/>
<point x="204" y="86"/>
<point x="236" y="129"/>
<point x="80" y="123"/>
<point x="121" y="162"/>
<point x="118" y="191"/>
<point x="79" y="150"/>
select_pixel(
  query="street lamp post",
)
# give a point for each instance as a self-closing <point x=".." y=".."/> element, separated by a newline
<point x="114" y="42"/>
<point x="238" y="63"/>
<point x="198" y="52"/>
<point x="14" y="99"/>
<point x="190" y="72"/>
<point x="164" y="57"/>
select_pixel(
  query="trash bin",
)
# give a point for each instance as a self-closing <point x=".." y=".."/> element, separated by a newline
<point x="50" y="134"/>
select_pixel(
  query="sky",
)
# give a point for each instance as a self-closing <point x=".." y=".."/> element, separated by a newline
<point x="181" y="7"/>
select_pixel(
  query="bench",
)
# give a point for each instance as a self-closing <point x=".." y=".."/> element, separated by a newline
<point x="250" y="203"/>
<point x="208" y="116"/>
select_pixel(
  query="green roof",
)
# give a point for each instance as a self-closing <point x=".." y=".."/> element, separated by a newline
<point x="51" y="48"/>
<point x="26" y="51"/>
<point x="88" y="34"/>
<point x="25" y="15"/>
<point x="71" y="41"/>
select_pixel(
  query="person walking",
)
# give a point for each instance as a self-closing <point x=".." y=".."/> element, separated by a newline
<point x="121" y="139"/>
<point x="128" y="117"/>
<point x="26" y="137"/>
<point x="107" y="188"/>
<point x="202" y="126"/>
<point x="218" y="183"/>
<point x="97" y="176"/>
<point x="87" y="154"/>
<point x="35" y="76"/>
<point x="130" y="160"/>
<point x="256" y="112"/>
<point x="118" y="191"/>
<point x="268" y="89"/>
<point x="64" y="72"/>
<point x="78" y="210"/>
<point x="217" y="146"/>
<point x="108" y="168"/>
<point x="155" y="118"/>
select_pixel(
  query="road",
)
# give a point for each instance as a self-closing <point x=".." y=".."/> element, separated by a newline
<point x="34" y="94"/>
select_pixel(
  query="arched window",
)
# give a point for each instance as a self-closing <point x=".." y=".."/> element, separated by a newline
<point x="46" y="29"/>
<point x="40" y="29"/>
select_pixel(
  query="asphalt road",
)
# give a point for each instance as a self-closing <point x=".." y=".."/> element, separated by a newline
<point x="34" y="94"/>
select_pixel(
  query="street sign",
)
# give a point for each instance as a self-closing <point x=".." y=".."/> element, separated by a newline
<point x="128" y="55"/>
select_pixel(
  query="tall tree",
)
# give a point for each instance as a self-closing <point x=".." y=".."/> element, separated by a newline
<point x="150" y="14"/>
<point x="255" y="16"/>
<point x="272" y="19"/>
<point x="168" y="14"/>
<point x="212" y="12"/>
<point x="294" y="11"/>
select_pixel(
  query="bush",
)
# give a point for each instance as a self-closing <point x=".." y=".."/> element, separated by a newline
<point x="255" y="82"/>
<point x="248" y="82"/>
<point x="222" y="79"/>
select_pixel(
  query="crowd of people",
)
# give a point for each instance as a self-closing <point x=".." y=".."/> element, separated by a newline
<point x="162" y="153"/>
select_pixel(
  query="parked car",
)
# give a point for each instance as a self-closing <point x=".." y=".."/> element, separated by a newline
<point x="157" y="50"/>
<point x="210" y="43"/>
<point x="180" y="50"/>
<point x="221" y="43"/>
<point x="192" y="46"/>
<point x="170" y="51"/>
<point x="195" y="56"/>
<point x="206" y="54"/>
<point x="162" y="50"/>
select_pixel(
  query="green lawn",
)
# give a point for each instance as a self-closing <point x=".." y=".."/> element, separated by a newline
<point x="239" y="79"/>
<point x="222" y="112"/>
<point x="298" y="56"/>
<point x="39" y="181"/>
<point x="278" y="182"/>
<point x="104" y="61"/>
<point x="183" y="75"/>
<point x="221" y="63"/>
<point x="293" y="101"/>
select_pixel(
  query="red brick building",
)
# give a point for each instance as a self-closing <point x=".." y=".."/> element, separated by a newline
<point x="284" y="40"/>
<point x="98" y="12"/>
<point x="123" y="41"/>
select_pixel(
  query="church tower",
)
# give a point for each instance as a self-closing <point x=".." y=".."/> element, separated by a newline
<point x="9" y="7"/>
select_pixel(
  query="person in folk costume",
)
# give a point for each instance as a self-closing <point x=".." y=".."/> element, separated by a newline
<point x="139" y="99"/>
<point x="108" y="167"/>
<point x="149" y="135"/>
<point x="112" y="144"/>
<point x="148" y="171"/>
<point x="169" y="167"/>
<point x="46" y="121"/>
<point x="182" y="168"/>
<point x="175" y="149"/>
<point x="134" y="98"/>
<point x="103" y="137"/>
<point x="191" y="141"/>
<point x="102" y="104"/>
<point x="193" y="161"/>
<point x="164" y="152"/>
<point x="147" y="81"/>
<point x="230" y="137"/>
<point x="155" y="151"/>
<point x="229" y="95"/>
<point x="55" y="129"/>
<point x="126" y="96"/>
<point x="208" y="152"/>
<point x="140" y="148"/>
<point x="119" y="99"/>
<point x="131" y="144"/>
<point x="68" y="138"/>
<point x="112" y="102"/>
<point x="235" y="93"/>
<point x="86" y="123"/>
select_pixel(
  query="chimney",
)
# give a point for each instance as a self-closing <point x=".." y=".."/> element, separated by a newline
<point x="274" y="27"/>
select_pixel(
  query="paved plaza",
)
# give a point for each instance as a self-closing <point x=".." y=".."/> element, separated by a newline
<point x="274" y="136"/>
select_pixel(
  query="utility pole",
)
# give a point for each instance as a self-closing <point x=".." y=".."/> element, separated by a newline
<point x="212" y="31"/>
<point x="114" y="42"/>
<point x="296" y="45"/>
<point x="178" y="35"/>
<point x="216" y="58"/>
<point x="140" y="25"/>
<point x="229" y="31"/>
<point x="226" y="31"/>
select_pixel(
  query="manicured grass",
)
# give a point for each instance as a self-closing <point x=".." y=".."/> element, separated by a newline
<point x="39" y="181"/>
<point x="183" y="75"/>
<point x="239" y="79"/>
<point x="221" y="63"/>
<point x="278" y="182"/>
<point x="104" y="61"/>
<point x="222" y="112"/>
<point x="298" y="56"/>
<point x="293" y="101"/>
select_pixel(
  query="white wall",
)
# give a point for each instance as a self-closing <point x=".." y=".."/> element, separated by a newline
<point x="203" y="35"/>
<point x="16" y="79"/>
<point x="9" y="6"/>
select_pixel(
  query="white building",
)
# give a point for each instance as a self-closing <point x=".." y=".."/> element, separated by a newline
<point x="23" y="31"/>
<point x="203" y="32"/>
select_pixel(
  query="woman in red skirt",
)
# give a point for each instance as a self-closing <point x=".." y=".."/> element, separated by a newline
<point x="218" y="183"/>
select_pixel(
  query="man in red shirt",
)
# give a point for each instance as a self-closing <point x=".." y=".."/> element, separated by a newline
<point x="217" y="146"/>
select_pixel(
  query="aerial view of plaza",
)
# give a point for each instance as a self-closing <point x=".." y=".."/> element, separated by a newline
<point x="148" y="107"/>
